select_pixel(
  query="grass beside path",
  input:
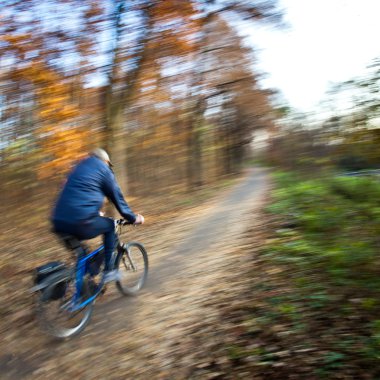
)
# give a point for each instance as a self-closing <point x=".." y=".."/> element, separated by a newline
<point x="312" y="306"/>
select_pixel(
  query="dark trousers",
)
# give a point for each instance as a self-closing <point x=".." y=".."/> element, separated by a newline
<point x="89" y="229"/>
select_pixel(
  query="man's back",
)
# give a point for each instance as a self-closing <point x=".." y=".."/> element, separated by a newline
<point x="83" y="194"/>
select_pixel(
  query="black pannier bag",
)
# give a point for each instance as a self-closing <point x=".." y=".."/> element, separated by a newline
<point x="44" y="271"/>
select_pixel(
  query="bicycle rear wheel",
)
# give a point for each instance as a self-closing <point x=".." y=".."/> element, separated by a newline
<point x="132" y="263"/>
<point x="53" y="307"/>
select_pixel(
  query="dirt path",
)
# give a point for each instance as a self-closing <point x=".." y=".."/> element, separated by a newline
<point x="164" y="333"/>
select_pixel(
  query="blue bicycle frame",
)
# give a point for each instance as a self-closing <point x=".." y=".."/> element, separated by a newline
<point x="80" y="272"/>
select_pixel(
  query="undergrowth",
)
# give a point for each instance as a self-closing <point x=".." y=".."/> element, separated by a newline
<point x="325" y="246"/>
<point x="312" y="310"/>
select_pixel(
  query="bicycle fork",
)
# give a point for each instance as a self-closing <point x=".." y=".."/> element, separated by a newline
<point x="130" y="260"/>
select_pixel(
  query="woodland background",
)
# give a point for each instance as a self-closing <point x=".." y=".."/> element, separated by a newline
<point x="170" y="89"/>
<point x="165" y="86"/>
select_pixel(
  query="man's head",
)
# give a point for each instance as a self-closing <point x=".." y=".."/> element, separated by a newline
<point x="102" y="154"/>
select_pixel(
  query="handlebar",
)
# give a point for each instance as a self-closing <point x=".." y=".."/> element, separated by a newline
<point x="122" y="222"/>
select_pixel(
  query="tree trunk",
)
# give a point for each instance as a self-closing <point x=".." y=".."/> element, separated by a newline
<point x="116" y="145"/>
<point x="194" y="140"/>
<point x="194" y="160"/>
<point x="117" y="100"/>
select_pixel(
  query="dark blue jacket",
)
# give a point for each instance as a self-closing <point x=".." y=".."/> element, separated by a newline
<point x="83" y="194"/>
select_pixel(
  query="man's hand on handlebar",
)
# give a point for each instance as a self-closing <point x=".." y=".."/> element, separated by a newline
<point x="139" y="219"/>
<point x="123" y="222"/>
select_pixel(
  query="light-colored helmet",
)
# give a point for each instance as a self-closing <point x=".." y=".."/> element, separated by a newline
<point x="102" y="154"/>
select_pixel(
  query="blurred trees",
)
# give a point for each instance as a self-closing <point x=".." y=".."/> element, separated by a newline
<point x="42" y="79"/>
<point x="166" y="86"/>
<point x="344" y="133"/>
<point x="359" y="128"/>
<point x="172" y="43"/>
<point x="241" y="105"/>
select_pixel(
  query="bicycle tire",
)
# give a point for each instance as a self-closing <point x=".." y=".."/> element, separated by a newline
<point x="134" y="272"/>
<point x="47" y="301"/>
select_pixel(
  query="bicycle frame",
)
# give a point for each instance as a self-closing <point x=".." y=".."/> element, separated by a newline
<point x="80" y="271"/>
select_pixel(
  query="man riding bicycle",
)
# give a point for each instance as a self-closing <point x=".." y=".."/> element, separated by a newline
<point x="77" y="210"/>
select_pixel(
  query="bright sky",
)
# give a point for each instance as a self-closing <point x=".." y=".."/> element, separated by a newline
<point x="328" y="41"/>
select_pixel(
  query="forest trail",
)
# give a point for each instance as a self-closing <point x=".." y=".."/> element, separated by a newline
<point x="165" y="331"/>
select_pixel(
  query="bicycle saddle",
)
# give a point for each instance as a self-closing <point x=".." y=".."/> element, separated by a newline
<point x="71" y="242"/>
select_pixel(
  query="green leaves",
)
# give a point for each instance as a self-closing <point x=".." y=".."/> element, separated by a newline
<point x="328" y="244"/>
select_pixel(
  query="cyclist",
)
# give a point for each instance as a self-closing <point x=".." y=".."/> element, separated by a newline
<point x="77" y="210"/>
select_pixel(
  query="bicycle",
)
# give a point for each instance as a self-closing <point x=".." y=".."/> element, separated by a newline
<point x="71" y="291"/>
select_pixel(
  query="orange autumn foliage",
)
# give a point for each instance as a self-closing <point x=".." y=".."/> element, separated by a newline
<point x="60" y="137"/>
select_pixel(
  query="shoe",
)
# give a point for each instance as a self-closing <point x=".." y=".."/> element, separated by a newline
<point x="112" y="275"/>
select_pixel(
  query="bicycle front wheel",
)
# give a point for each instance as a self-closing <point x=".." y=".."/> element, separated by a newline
<point x="132" y="263"/>
<point x="55" y="307"/>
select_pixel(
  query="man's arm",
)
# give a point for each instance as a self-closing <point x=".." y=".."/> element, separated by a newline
<point x="113" y="192"/>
